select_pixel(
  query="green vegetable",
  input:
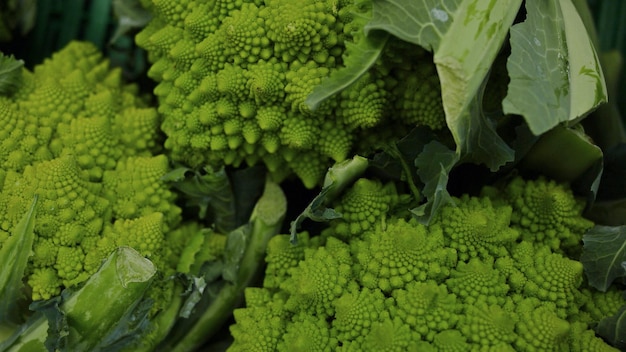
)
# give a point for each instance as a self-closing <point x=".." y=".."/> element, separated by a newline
<point x="604" y="255"/>
<point x="240" y="270"/>
<point x="10" y="74"/>
<point x="14" y="254"/>
<point x="236" y="78"/>
<point x="87" y="148"/>
<point x="489" y="272"/>
<point x="453" y="147"/>
<point x="123" y="278"/>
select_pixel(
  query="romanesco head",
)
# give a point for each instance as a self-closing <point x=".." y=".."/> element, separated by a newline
<point x="476" y="228"/>
<point x="356" y="311"/>
<point x="261" y="326"/>
<point x="400" y="285"/>
<point x="603" y="304"/>
<point x="547" y="212"/>
<point x="427" y="307"/>
<point x="136" y="188"/>
<point x="233" y="79"/>
<point x="403" y="252"/>
<point x="84" y="143"/>
<point x="364" y="207"/>
<point x="281" y="257"/>
<point x="584" y="339"/>
<point x="539" y="328"/>
<point x="317" y="282"/>
<point x="307" y="333"/>
<point x="489" y="326"/>
<point x="551" y="277"/>
<point x="478" y="281"/>
<point x="390" y="335"/>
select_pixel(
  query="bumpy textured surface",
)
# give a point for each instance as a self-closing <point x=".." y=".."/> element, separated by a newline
<point x="356" y="311"/>
<point x="466" y="282"/>
<point x="363" y="207"/>
<point x="476" y="228"/>
<point x="281" y="257"/>
<point x="87" y="145"/>
<point x="478" y="281"/>
<point x="547" y="212"/>
<point x="320" y="279"/>
<point x="234" y="75"/>
<point x="489" y="325"/>
<point x="540" y="329"/>
<point x="427" y="308"/>
<point x="307" y="334"/>
<point x="402" y="253"/>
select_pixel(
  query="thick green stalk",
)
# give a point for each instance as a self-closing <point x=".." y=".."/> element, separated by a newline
<point x="95" y="309"/>
<point x="118" y="285"/>
<point x="265" y="222"/>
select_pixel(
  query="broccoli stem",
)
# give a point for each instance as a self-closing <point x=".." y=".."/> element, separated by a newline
<point x="122" y="279"/>
<point x="265" y="222"/>
<point x="14" y="254"/>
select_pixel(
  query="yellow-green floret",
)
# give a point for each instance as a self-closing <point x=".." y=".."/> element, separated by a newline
<point x="87" y="146"/>
<point x="233" y="78"/>
<point x="489" y="326"/>
<point x="318" y="281"/>
<point x="405" y="251"/>
<point x="363" y="207"/>
<point x="464" y="282"/>
<point x="474" y="227"/>
<point x="547" y="212"/>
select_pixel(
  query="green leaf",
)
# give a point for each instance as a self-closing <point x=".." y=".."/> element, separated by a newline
<point x="208" y="191"/>
<point x="236" y="244"/>
<point x="10" y="74"/>
<point x="577" y="154"/>
<point x="338" y="177"/>
<point x="613" y="329"/>
<point x="131" y="16"/>
<point x="480" y="142"/>
<point x="466" y="36"/>
<point x="397" y="161"/>
<point x="419" y="22"/>
<point x="604" y="251"/>
<point x="193" y="293"/>
<point x="434" y="164"/>
<point x="123" y="278"/>
<point x="30" y="336"/>
<point x="14" y="255"/>
<point x="245" y="250"/>
<point x="73" y="322"/>
<point x="362" y="56"/>
<point x="554" y="70"/>
<point x="128" y="331"/>
<point x="224" y="201"/>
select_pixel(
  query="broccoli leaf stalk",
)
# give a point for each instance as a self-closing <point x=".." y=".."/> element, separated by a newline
<point x="123" y="278"/>
<point x="248" y="244"/>
<point x="14" y="254"/>
<point x="338" y="177"/>
<point x="10" y="74"/>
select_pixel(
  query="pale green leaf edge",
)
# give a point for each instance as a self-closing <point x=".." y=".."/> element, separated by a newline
<point x="14" y="255"/>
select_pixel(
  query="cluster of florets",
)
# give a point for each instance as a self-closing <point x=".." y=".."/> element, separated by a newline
<point x="86" y="146"/>
<point x="472" y="280"/>
<point x="234" y="76"/>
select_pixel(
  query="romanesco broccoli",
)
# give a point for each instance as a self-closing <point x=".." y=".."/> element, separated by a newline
<point x="87" y="148"/>
<point x="98" y="185"/>
<point x="467" y="281"/>
<point x="233" y="77"/>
